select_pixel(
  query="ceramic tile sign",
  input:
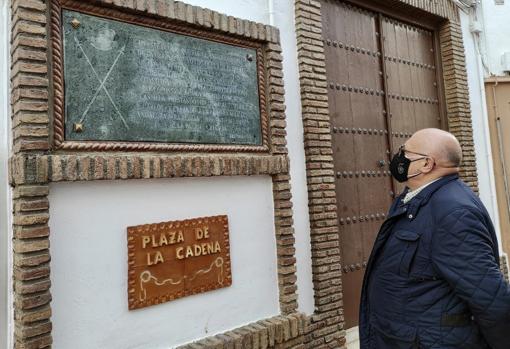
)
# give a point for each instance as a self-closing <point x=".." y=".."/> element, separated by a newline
<point x="175" y="259"/>
<point x="128" y="82"/>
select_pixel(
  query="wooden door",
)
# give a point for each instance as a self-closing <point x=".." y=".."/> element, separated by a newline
<point x="497" y="93"/>
<point x="411" y="80"/>
<point x="376" y="102"/>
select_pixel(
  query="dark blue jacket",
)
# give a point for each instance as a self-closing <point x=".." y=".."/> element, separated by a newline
<point x="433" y="279"/>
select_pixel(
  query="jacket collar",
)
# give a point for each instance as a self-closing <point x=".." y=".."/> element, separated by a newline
<point x="412" y="207"/>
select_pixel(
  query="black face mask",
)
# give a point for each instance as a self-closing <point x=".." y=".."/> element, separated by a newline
<point x="399" y="166"/>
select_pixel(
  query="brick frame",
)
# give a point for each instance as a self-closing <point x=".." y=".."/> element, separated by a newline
<point x="326" y="327"/>
<point x="35" y="164"/>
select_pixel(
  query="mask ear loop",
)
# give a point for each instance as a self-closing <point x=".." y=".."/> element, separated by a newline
<point x="450" y="166"/>
<point x="414" y="175"/>
<point x="413" y="160"/>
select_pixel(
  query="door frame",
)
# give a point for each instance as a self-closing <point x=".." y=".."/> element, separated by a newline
<point x="383" y="38"/>
<point x="442" y="16"/>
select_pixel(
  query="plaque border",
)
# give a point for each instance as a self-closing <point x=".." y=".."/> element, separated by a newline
<point x="57" y="56"/>
<point x="135" y="304"/>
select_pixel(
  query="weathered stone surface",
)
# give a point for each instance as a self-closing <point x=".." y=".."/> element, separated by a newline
<point x="31" y="273"/>
<point x="29" y="316"/>
<point x="58" y="168"/>
<point x="31" y="219"/>
<point x="32" y="259"/>
<point x="30" y="191"/>
<point x="30" y="232"/>
<point x="43" y="341"/>
<point x="32" y="330"/>
<point x="24" y="287"/>
<point x="32" y="301"/>
<point x="211" y="88"/>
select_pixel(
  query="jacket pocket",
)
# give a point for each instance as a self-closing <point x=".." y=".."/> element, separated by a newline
<point x="393" y="334"/>
<point x="411" y="240"/>
<point x="465" y="337"/>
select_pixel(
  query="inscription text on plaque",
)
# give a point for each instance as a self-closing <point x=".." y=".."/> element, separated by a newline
<point x="127" y="82"/>
<point x="176" y="259"/>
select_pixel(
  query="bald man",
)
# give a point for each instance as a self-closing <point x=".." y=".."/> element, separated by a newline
<point x="433" y="278"/>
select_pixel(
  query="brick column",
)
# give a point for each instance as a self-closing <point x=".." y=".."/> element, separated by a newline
<point x="457" y="97"/>
<point x="326" y="324"/>
<point x="30" y="122"/>
<point x="284" y="229"/>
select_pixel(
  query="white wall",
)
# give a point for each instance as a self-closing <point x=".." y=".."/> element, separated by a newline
<point x="481" y="135"/>
<point x="497" y="26"/>
<point x="5" y="207"/>
<point x="281" y="13"/>
<point x="89" y="260"/>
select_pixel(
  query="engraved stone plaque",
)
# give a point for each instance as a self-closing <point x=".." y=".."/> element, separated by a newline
<point x="127" y="82"/>
<point x="176" y="259"/>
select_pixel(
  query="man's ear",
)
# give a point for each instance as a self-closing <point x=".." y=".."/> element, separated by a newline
<point x="429" y="165"/>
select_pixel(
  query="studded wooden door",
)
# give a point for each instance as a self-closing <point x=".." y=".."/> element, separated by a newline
<point x="381" y="82"/>
<point x="411" y="79"/>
